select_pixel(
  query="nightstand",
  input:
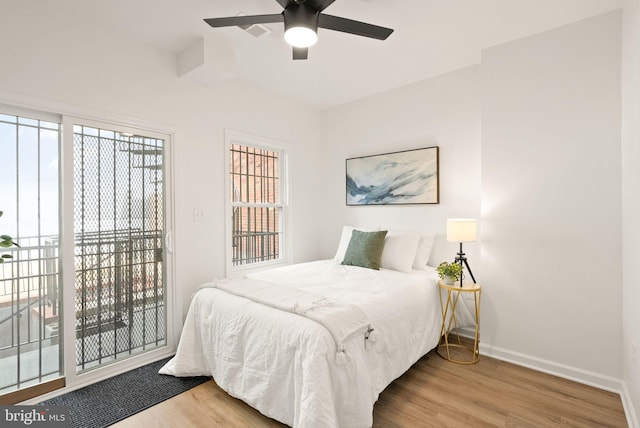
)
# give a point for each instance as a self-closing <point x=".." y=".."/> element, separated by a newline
<point x="459" y="352"/>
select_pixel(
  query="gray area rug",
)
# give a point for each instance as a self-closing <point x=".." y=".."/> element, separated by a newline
<point x="111" y="400"/>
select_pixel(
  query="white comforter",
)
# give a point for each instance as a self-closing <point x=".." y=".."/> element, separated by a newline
<point x="283" y="364"/>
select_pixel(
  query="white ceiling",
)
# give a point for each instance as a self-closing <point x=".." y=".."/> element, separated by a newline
<point x="431" y="37"/>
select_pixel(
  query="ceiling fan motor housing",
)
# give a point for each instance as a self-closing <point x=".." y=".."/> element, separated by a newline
<point x="301" y="15"/>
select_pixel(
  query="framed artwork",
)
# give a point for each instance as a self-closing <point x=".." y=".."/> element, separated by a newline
<point x="408" y="177"/>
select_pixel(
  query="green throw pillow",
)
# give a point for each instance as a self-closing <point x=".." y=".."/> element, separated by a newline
<point x="365" y="249"/>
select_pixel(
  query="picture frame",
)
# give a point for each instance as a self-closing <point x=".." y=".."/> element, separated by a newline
<point x="396" y="178"/>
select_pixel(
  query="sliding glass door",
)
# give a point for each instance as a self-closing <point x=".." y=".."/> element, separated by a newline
<point x="87" y="284"/>
<point x="119" y="226"/>
<point x="30" y="346"/>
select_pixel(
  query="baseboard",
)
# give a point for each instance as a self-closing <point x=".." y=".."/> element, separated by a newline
<point x="586" y="377"/>
<point x="629" y="410"/>
<point x="596" y="380"/>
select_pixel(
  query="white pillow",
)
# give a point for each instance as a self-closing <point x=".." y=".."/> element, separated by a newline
<point x="343" y="244"/>
<point x="423" y="252"/>
<point x="399" y="250"/>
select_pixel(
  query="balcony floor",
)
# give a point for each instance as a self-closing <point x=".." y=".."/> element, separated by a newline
<point x="39" y="360"/>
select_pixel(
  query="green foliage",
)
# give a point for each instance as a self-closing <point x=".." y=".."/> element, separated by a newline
<point x="453" y="270"/>
<point x="5" y="242"/>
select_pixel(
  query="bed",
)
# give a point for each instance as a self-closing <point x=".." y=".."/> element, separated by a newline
<point x="293" y="367"/>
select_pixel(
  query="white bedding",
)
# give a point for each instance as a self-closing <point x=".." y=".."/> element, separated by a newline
<point x="342" y="320"/>
<point x="283" y="364"/>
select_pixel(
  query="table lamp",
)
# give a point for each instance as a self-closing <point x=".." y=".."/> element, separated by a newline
<point x="462" y="230"/>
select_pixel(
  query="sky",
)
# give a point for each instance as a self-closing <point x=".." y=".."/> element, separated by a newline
<point x="110" y="185"/>
<point x="28" y="165"/>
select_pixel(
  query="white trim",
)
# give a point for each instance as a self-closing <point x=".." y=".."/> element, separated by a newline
<point x="575" y="374"/>
<point x="30" y="113"/>
<point x="119" y="127"/>
<point x="118" y="366"/>
<point x="232" y="136"/>
<point x="174" y="296"/>
<point x="627" y="404"/>
<point x="585" y="377"/>
<point x="68" y="253"/>
<point x="46" y="106"/>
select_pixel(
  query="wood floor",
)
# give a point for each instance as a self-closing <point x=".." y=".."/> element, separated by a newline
<point x="433" y="393"/>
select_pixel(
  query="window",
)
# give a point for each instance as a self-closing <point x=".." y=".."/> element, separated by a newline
<point x="256" y="199"/>
<point x="29" y="281"/>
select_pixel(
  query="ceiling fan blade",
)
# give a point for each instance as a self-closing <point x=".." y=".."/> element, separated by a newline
<point x="300" y="53"/>
<point x="319" y="5"/>
<point x="244" y="20"/>
<point x="350" y="26"/>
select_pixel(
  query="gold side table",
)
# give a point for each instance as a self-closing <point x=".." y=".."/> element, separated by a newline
<point x="455" y="351"/>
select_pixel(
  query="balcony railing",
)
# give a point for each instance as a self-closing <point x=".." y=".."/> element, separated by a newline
<point x="255" y="247"/>
<point x="119" y="295"/>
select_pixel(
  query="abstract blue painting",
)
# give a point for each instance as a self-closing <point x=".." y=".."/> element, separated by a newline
<point x="407" y="177"/>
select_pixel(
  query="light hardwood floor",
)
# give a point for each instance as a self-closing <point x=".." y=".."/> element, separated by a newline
<point x="433" y="393"/>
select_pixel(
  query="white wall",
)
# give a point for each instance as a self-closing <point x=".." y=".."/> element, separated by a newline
<point x="551" y="200"/>
<point x="533" y="136"/>
<point x="443" y="111"/>
<point x="631" y="201"/>
<point x="59" y="59"/>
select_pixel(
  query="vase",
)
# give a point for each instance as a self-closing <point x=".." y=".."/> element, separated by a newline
<point x="449" y="280"/>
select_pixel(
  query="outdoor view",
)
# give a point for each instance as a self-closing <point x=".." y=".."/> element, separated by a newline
<point x="256" y="203"/>
<point x="118" y="225"/>
<point x="29" y="300"/>
<point x="119" y="279"/>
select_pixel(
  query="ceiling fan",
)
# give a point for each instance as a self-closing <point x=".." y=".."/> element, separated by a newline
<point x="302" y="18"/>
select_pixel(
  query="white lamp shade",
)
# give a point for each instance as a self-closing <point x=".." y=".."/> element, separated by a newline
<point x="300" y="37"/>
<point x="462" y="230"/>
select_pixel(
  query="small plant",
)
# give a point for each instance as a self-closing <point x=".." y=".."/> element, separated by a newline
<point x="450" y="270"/>
<point x="5" y="242"/>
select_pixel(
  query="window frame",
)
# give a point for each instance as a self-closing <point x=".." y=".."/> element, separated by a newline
<point x="244" y="139"/>
<point x="172" y="299"/>
<point x="135" y="137"/>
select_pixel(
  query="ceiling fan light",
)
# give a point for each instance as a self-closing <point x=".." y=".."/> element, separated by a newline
<point x="300" y="37"/>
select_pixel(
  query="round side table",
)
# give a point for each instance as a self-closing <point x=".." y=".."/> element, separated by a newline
<point x="449" y="296"/>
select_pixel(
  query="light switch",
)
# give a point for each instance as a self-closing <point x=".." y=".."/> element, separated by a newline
<point x="198" y="214"/>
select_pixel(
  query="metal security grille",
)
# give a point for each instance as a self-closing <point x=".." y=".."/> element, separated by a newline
<point x="119" y="222"/>
<point x="256" y="204"/>
<point x="29" y="294"/>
